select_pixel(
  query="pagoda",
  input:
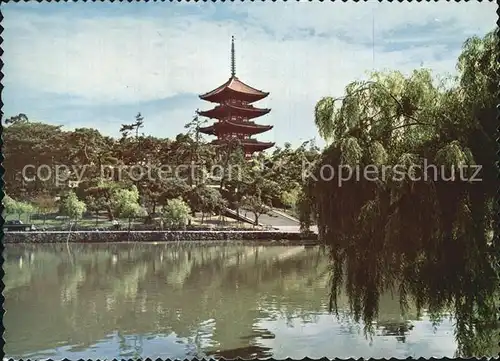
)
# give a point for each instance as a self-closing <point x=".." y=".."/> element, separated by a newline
<point x="234" y="111"/>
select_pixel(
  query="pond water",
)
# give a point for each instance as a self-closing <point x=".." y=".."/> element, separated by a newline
<point x="184" y="300"/>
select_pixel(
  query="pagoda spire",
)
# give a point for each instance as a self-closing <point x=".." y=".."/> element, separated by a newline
<point x="234" y="113"/>
<point x="233" y="62"/>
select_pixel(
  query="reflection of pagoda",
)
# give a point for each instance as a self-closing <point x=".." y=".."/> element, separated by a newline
<point x="233" y="112"/>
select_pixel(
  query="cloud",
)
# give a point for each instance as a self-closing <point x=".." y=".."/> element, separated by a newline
<point x="298" y="52"/>
<point x="355" y="19"/>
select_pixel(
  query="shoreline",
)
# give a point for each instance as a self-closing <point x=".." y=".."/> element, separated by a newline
<point x="271" y="237"/>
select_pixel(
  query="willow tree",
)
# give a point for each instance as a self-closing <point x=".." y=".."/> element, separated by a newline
<point x="393" y="122"/>
<point x="397" y="196"/>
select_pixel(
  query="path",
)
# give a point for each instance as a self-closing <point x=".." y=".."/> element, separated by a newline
<point x="280" y="221"/>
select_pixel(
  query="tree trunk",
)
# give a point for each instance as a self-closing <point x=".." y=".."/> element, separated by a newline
<point x="226" y="162"/>
<point x="190" y="177"/>
<point x="110" y="213"/>
<point x="97" y="218"/>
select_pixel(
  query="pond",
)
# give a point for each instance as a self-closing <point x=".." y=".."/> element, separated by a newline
<point x="185" y="300"/>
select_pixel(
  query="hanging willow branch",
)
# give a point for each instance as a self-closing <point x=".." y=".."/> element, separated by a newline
<point x="428" y="238"/>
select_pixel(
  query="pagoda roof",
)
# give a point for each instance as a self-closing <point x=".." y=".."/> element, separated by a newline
<point x="239" y="127"/>
<point x="234" y="88"/>
<point x="224" y="110"/>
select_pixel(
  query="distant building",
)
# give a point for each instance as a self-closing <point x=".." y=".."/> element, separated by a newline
<point x="234" y="111"/>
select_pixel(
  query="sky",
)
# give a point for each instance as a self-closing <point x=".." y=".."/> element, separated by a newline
<point x="98" y="64"/>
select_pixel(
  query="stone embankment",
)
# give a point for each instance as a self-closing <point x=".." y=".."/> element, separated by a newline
<point x="154" y="236"/>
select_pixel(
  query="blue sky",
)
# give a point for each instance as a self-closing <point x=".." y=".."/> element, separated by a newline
<point x="98" y="64"/>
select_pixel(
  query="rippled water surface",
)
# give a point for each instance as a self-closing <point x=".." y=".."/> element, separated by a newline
<point x="184" y="300"/>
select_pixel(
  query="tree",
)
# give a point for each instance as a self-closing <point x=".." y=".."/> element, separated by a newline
<point x="130" y="210"/>
<point x="287" y="165"/>
<point x="139" y="123"/>
<point x="197" y="149"/>
<point x="127" y="128"/>
<point x="305" y="209"/>
<point x="95" y="205"/>
<point x="173" y="188"/>
<point x="234" y="194"/>
<point x="261" y="182"/>
<point x="206" y="200"/>
<point x="18" y="208"/>
<point x="29" y="145"/>
<point x="289" y="198"/>
<point x="125" y="204"/>
<point x="256" y="206"/>
<point x="9" y="205"/>
<point x="396" y="120"/>
<point x="16" y="119"/>
<point x="176" y="213"/>
<point x="72" y="207"/>
<point x="229" y="156"/>
<point x="90" y="150"/>
<point x="45" y="204"/>
<point x="103" y="191"/>
<point x="402" y="229"/>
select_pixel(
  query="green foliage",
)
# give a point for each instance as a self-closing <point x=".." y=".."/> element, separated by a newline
<point x="377" y="154"/>
<point x="396" y="120"/>
<point x="45" y="203"/>
<point x="275" y="179"/>
<point x="17" y="119"/>
<point x="31" y="143"/>
<point x="479" y="69"/>
<point x="290" y="198"/>
<point x="134" y="127"/>
<point x="414" y="236"/>
<point x="94" y="204"/>
<point x="25" y="208"/>
<point x="324" y="112"/>
<point x="166" y="162"/>
<point x="351" y="151"/>
<point x="176" y="213"/>
<point x="16" y="207"/>
<point x="206" y="199"/>
<point x="10" y="205"/>
<point x="453" y="155"/>
<point x="72" y="207"/>
<point x="125" y="203"/>
<point x="255" y="204"/>
<point x="174" y="188"/>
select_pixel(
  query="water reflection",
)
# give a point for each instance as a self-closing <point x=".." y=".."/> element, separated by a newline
<point x="448" y="278"/>
<point x="187" y="300"/>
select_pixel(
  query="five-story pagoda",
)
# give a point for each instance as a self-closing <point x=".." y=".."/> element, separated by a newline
<point x="234" y="111"/>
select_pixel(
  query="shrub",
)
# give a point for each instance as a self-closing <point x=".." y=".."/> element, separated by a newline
<point x="176" y="213"/>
